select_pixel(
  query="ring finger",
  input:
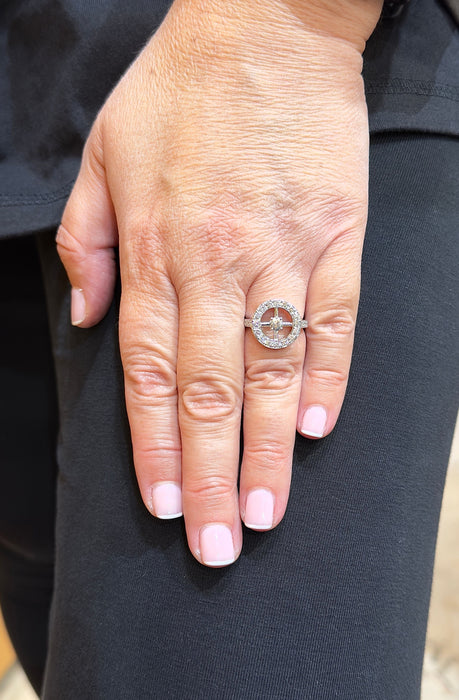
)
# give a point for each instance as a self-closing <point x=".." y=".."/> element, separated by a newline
<point x="271" y="395"/>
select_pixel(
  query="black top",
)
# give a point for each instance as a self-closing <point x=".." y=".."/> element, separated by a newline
<point x="60" y="58"/>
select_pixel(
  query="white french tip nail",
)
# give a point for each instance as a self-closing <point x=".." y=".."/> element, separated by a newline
<point x="258" y="528"/>
<point x="314" y="422"/>
<point x="216" y="545"/>
<point x="166" y="500"/>
<point x="169" y="517"/>
<point x="310" y="433"/>
<point x="223" y="562"/>
<point x="259" y="509"/>
<point x="78" y="306"/>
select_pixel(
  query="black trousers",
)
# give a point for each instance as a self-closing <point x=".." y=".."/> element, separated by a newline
<point x="28" y="433"/>
<point x="332" y="603"/>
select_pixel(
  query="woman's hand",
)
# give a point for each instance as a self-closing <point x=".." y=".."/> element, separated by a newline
<point x="230" y="164"/>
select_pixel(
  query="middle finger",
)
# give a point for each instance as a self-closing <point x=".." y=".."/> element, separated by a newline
<point x="210" y="375"/>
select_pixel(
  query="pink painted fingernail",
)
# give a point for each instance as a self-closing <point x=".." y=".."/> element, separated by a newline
<point x="78" y="307"/>
<point x="217" y="548"/>
<point x="167" y="501"/>
<point x="259" y="509"/>
<point x="314" y="421"/>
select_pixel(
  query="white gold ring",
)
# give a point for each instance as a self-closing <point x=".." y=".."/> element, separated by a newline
<point x="276" y="324"/>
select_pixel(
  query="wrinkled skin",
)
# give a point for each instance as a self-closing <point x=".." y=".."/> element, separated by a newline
<point x="230" y="165"/>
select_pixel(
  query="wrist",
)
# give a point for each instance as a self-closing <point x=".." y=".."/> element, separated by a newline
<point x="289" y="43"/>
<point x="352" y="21"/>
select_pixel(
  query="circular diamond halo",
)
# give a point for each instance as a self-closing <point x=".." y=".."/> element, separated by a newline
<point x="276" y="323"/>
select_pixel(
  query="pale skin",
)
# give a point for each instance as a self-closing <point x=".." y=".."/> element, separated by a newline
<point x="230" y="166"/>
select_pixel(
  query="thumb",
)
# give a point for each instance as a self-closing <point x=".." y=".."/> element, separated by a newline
<point x="87" y="236"/>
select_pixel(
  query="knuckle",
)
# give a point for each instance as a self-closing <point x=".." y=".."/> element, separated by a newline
<point x="156" y="460"/>
<point x="272" y="456"/>
<point x="336" y="323"/>
<point x="143" y="255"/>
<point x="162" y="449"/>
<point x="213" y="489"/>
<point x="341" y="213"/>
<point x="220" y="236"/>
<point x="209" y="399"/>
<point x="272" y="375"/>
<point x="144" y="232"/>
<point x="329" y="377"/>
<point x="149" y="376"/>
<point x="93" y="153"/>
<point x="69" y="247"/>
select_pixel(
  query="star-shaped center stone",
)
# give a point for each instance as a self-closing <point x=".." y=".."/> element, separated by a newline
<point x="276" y="323"/>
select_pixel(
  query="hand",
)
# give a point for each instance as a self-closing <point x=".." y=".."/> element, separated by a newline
<point x="230" y="164"/>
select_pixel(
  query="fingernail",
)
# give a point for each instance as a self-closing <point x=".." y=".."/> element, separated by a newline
<point x="259" y="509"/>
<point x="314" y="421"/>
<point x="78" y="307"/>
<point x="216" y="543"/>
<point x="167" y="501"/>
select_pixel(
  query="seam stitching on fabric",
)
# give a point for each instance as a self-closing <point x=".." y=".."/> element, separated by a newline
<point x="411" y="92"/>
<point x="40" y="199"/>
<point x="414" y="87"/>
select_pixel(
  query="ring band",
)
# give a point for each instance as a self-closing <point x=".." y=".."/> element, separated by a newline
<point x="276" y="323"/>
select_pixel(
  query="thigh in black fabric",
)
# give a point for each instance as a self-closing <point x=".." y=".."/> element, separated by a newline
<point x="333" y="602"/>
<point x="28" y="410"/>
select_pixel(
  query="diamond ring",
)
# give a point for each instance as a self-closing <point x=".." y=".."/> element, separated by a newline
<point x="275" y="324"/>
